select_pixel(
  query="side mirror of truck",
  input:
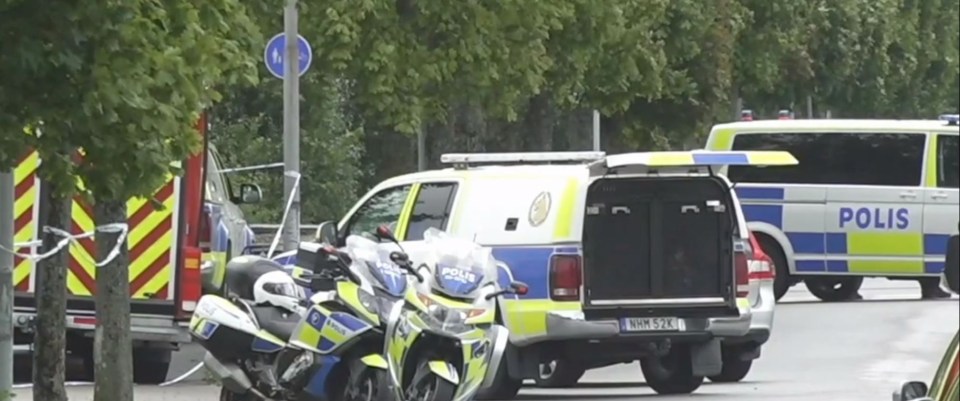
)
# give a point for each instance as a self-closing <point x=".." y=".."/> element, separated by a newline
<point x="911" y="391"/>
<point x="250" y="194"/>
<point x="327" y="233"/>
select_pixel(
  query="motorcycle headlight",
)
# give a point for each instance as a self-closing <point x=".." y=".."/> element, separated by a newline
<point x="377" y="305"/>
<point x="368" y="301"/>
<point x="445" y="319"/>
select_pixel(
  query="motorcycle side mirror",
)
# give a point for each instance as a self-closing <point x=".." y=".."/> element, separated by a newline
<point x="519" y="288"/>
<point x="516" y="288"/>
<point x="383" y="232"/>
<point x="399" y="258"/>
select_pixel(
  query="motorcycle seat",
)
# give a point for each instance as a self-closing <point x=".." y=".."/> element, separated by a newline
<point x="276" y="321"/>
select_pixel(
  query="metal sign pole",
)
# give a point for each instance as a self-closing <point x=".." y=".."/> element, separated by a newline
<point x="421" y="150"/>
<point x="596" y="130"/>
<point x="291" y="125"/>
<point x="6" y="283"/>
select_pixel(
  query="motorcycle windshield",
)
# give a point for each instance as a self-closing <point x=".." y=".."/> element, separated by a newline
<point x="374" y="259"/>
<point x="389" y="276"/>
<point x="458" y="280"/>
<point x="461" y="266"/>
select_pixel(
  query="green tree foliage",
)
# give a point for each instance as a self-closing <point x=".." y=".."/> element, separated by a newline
<point x="124" y="81"/>
<point x="522" y="75"/>
<point x="883" y="59"/>
<point x="247" y="130"/>
<point x="698" y="40"/>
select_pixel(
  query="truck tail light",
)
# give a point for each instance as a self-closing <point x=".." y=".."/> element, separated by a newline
<point x="566" y="277"/>
<point x="743" y="254"/>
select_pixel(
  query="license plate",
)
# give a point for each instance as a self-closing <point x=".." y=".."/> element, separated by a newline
<point x="650" y="324"/>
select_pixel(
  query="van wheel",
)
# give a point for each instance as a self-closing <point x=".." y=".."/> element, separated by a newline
<point x="782" y="281"/>
<point x="833" y="289"/>
<point x="559" y="374"/>
<point x="671" y="373"/>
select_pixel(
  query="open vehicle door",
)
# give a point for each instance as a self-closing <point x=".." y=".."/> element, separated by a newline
<point x="661" y="236"/>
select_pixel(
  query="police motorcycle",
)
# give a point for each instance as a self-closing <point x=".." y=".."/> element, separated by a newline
<point x="443" y="343"/>
<point x="266" y="342"/>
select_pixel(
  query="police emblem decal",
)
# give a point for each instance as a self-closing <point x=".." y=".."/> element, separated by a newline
<point x="539" y="209"/>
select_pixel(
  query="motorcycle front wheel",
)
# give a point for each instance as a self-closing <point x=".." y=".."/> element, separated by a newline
<point x="427" y="386"/>
<point x="366" y="384"/>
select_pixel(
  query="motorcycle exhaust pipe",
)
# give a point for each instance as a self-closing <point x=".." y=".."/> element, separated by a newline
<point x="232" y="377"/>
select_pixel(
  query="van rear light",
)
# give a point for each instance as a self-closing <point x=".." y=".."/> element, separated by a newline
<point x="190" y="282"/>
<point x="566" y="277"/>
<point x="743" y="253"/>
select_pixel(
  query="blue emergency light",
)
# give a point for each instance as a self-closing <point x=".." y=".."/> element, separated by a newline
<point x="951" y="119"/>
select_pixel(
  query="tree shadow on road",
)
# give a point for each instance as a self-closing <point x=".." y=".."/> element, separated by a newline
<point x="565" y="394"/>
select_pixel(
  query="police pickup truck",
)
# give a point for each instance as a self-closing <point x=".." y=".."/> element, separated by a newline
<point x="639" y="256"/>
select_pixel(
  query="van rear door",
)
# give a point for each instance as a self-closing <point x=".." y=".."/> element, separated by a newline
<point x="659" y="234"/>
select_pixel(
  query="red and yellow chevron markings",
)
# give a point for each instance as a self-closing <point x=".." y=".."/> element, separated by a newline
<point x="24" y="209"/>
<point x="150" y="240"/>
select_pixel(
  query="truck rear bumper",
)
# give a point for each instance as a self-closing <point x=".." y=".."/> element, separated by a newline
<point x="142" y="327"/>
<point x="733" y="326"/>
<point x="571" y="325"/>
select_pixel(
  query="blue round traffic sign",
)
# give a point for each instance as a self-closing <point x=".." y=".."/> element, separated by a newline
<point x="275" y="52"/>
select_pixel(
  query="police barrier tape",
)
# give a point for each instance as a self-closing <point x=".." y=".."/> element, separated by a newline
<point x="286" y="211"/>
<point x="273" y="247"/>
<point x="121" y="228"/>
<point x="68" y="238"/>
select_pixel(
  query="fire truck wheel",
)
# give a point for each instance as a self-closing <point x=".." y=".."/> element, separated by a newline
<point x="151" y="366"/>
<point x="23" y="368"/>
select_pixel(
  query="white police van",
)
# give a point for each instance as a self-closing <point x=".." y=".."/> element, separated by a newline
<point x="869" y="198"/>
<point x="639" y="256"/>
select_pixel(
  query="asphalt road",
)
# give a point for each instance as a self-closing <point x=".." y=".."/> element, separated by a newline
<point x="856" y="351"/>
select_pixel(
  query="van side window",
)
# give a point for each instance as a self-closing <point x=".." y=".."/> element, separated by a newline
<point x="383" y="208"/>
<point x="805" y="147"/>
<point x="948" y="161"/>
<point x="431" y="210"/>
<point x="836" y="158"/>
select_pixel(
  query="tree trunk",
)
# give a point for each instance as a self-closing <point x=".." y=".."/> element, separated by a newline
<point x="539" y="124"/>
<point x="50" y="340"/>
<point x="113" y="352"/>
